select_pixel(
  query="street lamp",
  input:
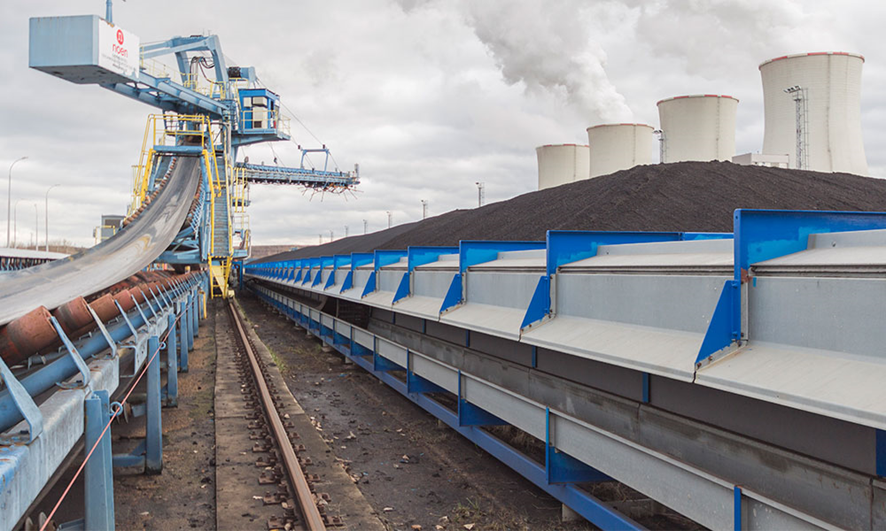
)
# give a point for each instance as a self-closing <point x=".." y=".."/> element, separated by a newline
<point x="15" y="222"/>
<point x="36" y="227"/>
<point x="9" y="198"/>
<point x="47" y="215"/>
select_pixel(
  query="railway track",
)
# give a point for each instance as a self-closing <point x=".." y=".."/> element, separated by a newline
<point x="279" y="458"/>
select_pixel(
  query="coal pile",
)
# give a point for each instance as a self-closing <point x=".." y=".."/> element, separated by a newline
<point x="685" y="196"/>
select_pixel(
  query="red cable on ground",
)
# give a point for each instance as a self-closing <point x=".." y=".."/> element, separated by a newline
<point x="108" y="425"/>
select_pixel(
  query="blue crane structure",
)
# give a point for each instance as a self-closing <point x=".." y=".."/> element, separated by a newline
<point x="209" y="109"/>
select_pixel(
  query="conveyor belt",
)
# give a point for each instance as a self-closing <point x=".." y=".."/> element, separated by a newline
<point x="94" y="269"/>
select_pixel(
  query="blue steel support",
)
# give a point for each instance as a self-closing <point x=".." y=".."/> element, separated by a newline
<point x="154" y="424"/>
<point x="646" y="387"/>
<point x="471" y="415"/>
<point x="63" y="368"/>
<point x="563" y="468"/>
<point x="171" y="364"/>
<point x="737" y="518"/>
<point x="184" y="321"/>
<point x="196" y="314"/>
<point x="881" y="453"/>
<point x="98" y="474"/>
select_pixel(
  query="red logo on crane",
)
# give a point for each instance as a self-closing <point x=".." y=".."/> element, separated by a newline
<point x="120" y="36"/>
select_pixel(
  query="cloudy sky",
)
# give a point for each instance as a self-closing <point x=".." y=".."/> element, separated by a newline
<point x="428" y="96"/>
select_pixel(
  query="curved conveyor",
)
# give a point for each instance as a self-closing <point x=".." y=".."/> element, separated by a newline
<point x="126" y="253"/>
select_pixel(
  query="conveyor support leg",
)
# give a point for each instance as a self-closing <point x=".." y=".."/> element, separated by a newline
<point x="98" y="479"/>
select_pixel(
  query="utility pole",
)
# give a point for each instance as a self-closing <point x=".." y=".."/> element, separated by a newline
<point x="331" y="235"/>
<point x="390" y="218"/>
<point x="346" y="231"/>
<point x="424" y="208"/>
<point x="9" y="199"/>
<point x="46" y="209"/>
<point x="365" y="226"/>
<point x="321" y="238"/>
<point x="481" y="193"/>
<point x="802" y="123"/>
<point x="36" y="227"/>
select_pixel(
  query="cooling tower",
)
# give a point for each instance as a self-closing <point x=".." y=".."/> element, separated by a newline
<point x="828" y="85"/>
<point x="561" y="163"/>
<point x="698" y="127"/>
<point x="615" y="147"/>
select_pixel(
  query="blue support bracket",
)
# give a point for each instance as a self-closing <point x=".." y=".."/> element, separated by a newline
<point x="104" y="332"/>
<point x="386" y="258"/>
<point x="453" y="294"/>
<point x="646" y="389"/>
<point x="563" y="468"/>
<point x="86" y="377"/>
<point x="403" y="289"/>
<point x="25" y="405"/>
<point x="471" y="253"/>
<point x="421" y="255"/>
<point x="418" y="384"/>
<point x="154" y="423"/>
<point x="138" y="307"/>
<point x="737" y="509"/>
<point x="370" y="285"/>
<point x="722" y="331"/>
<point x="540" y="304"/>
<point x="766" y="234"/>
<point x="324" y="261"/>
<point x="383" y="364"/>
<point x="171" y="363"/>
<point x="881" y="453"/>
<point x="348" y="283"/>
<point x="359" y="350"/>
<point x="471" y="415"/>
<point x="357" y="260"/>
<point x="183" y="336"/>
<point x="98" y="474"/>
<point x="298" y="276"/>
<point x="566" y="246"/>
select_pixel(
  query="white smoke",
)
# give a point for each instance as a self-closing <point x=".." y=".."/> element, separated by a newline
<point x="547" y="46"/>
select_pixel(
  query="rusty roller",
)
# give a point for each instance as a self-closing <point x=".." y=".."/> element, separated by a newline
<point x="27" y="335"/>
<point x="104" y="307"/>
<point x="73" y="315"/>
<point x="125" y="300"/>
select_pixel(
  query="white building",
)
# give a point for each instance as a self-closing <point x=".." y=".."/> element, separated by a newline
<point x="828" y="87"/>
<point x="561" y="163"/>
<point x="699" y="127"/>
<point x="615" y="147"/>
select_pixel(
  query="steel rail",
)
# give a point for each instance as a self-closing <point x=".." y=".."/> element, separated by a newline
<point x="296" y="476"/>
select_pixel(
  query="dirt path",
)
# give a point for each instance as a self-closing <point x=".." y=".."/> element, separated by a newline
<point x="183" y="496"/>
<point x="410" y="469"/>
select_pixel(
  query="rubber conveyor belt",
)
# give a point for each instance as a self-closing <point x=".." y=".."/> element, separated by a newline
<point x="121" y="256"/>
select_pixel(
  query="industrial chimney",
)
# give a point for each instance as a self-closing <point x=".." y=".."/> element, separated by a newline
<point x="561" y="163"/>
<point x="812" y="103"/>
<point x="615" y="147"/>
<point x="699" y="127"/>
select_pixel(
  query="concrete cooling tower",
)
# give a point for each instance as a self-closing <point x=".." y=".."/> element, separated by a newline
<point x="561" y="163"/>
<point x="816" y="96"/>
<point x="615" y="147"/>
<point x="700" y="128"/>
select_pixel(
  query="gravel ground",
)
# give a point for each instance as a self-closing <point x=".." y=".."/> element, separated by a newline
<point x="685" y="196"/>
<point x="410" y="469"/>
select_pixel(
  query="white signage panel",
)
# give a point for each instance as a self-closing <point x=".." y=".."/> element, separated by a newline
<point x="118" y="50"/>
